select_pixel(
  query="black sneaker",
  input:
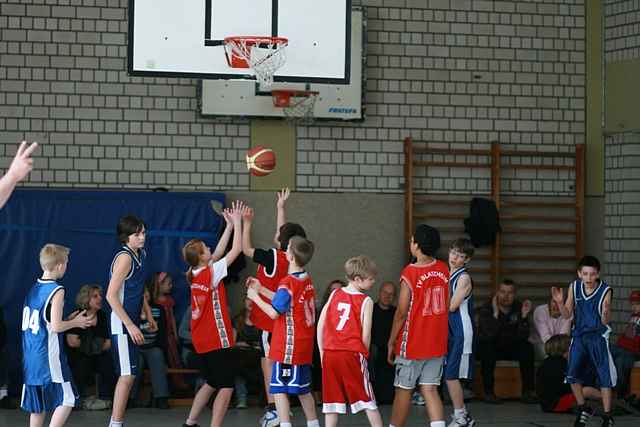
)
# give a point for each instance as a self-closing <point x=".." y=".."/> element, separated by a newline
<point x="582" y="418"/>
<point x="161" y="403"/>
<point x="192" y="425"/>
<point x="528" y="397"/>
<point x="607" y="421"/>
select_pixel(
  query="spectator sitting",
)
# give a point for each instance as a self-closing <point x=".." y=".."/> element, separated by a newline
<point x="547" y="322"/>
<point x="248" y="353"/>
<point x="627" y="349"/>
<point x="382" y="373"/>
<point x="89" y="350"/>
<point x="554" y="394"/>
<point x="503" y="333"/>
<point x="153" y="351"/>
<point x="316" y="368"/>
<point x="162" y="284"/>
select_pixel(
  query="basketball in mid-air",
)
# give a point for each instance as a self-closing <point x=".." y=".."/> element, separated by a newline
<point x="261" y="161"/>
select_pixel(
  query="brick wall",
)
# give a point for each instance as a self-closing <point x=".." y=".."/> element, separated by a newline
<point x="452" y="72"/>
<point x="622" y="163"/>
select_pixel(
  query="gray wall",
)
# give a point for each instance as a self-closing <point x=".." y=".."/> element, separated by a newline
<point x="340" y="225"/>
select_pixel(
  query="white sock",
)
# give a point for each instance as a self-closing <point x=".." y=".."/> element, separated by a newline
<point x="191" y="422"/>
<point x="285" y="424"/>
<point x="115" y="423"/>
<point x="458" y="413"/>
<point x="437" y="424"/>
<point x="313" y="423"/>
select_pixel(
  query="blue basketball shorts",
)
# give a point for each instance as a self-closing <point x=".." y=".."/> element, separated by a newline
<point x="458" y="365"/>
<point x="46" y="398"/>
<point x="290" y="379"/>
<point x="125" y="355"/>
<point x="587" y="353"/>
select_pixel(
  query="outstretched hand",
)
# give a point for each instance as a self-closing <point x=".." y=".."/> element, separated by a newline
<point x="282" y="195"/>
<point x="237" y="209"/>
<point x="557" y="294"/>
<point x="247" y="214"/>
<point x="22" y="163"/>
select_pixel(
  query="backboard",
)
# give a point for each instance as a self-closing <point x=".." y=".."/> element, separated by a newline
<point x="336" y="101"/>
<point x="185" y="38"/>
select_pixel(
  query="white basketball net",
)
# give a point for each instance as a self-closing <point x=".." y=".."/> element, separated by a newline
<point x="264" y="56"/>
<point x="301" y="108"/>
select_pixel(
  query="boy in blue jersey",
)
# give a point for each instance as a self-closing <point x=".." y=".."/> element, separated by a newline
<point x="459" y="361"/>
<point x="126" y="298"/>
<point x="47" y="377"/>
<point x="589" y="301"/>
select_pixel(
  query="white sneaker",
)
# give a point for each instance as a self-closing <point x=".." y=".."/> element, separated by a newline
<point x="417" y="399"/>
<point x="270" y="419"/>
<point x="464" y="421"/>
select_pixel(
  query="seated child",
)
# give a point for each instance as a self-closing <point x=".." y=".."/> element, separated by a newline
<point x="554" y="394"/>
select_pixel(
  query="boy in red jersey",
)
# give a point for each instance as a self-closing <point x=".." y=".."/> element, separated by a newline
<point x="211" y="328"/>
<point x="344" y="335"/>
<point x="418" y="341"/>
<point x="292" y="307"/>
<point x="272" y="268"/>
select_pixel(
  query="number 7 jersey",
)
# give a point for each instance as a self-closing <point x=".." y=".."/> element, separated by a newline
<point x="343" y="321"/>
<point x="424" y="334"/>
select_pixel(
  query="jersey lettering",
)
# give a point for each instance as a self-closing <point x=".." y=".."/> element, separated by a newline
<point x="345" y="309"/>
<point x="30" y="320"/>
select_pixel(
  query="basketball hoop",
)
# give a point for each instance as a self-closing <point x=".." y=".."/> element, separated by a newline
<point x="264" y="55"/>
<point x="297" y="105"/>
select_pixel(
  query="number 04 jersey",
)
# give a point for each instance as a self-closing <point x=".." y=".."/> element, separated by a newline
<point x="424" y="334"/>
<point x="44" y="360"/>
<point x="343" y="321"/>
<point x="294" y="330"/>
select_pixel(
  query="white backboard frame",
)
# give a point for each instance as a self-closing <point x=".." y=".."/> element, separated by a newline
<point x="243" y="98"/>
<point x="169" y="38"/>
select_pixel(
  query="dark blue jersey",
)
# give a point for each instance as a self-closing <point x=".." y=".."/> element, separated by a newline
<point x="44" y="360"/>
<point x="461" y="320"/>
<point x="132" y="290"/>
<point x="588" y="308"/>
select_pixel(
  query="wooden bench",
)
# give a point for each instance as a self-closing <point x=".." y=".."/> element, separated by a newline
<point x="508" y="384"/>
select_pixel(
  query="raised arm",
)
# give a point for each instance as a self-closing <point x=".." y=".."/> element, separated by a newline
<point x="224" y="238"/>
<point x="282" y="195"/>
<point x="236" y="218"/>
<point x="399" y="318"/>
<point x="566" y="308"/>
<point x="247" y="219"/>
<point x="121" y="269"/>
<point x="19" y="168"/>
<point x="463" y="290"/>
<point x="57" y="324"/>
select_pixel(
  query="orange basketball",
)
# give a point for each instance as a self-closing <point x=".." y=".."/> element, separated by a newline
<point x="261" y="161"/>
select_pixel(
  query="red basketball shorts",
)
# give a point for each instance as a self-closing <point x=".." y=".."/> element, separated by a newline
<point x="345" y="380"/>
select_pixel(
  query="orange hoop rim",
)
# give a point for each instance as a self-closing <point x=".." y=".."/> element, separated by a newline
<point x="282" y="97"/>
<point x="253" y="40"/>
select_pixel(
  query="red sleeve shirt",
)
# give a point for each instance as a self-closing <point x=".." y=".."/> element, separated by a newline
<point x="210" y="321"/>
<point x="424" y="334"/>
<point x="294" y="330"/>
<point x="343" y="321"/>
<point x="270" y="281"/>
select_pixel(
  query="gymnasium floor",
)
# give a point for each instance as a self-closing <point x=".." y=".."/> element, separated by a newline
<point x="507" y="414"/>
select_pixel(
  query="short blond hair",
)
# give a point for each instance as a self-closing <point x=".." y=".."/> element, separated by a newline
<point x="360" y="266"/>
<point x="52" y="255"/>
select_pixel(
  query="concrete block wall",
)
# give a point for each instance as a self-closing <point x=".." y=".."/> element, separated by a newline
<point x="455" y="73"/>
<point x="622" y="166"/>
<point x="622" y="219"/>
<point x="622" y="34"/>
